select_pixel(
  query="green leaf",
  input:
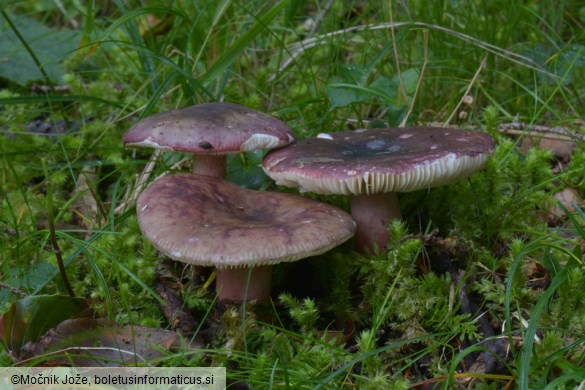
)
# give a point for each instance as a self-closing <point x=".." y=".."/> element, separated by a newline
<point x="342" y="94"/>
<point x="396" y="114"/>
<point x="29" y="277"/>
<point x="50" y="47"/>
<point x="24" y="278"/>
<point x="31" y="317"/>
<point x="409" y="79"/>
<point x="385" y="87"/>
<point x="353" y="74"/>
<point x="349" y="87"/>
<point x="245" y="169"/>
<point x="560" y="62"/>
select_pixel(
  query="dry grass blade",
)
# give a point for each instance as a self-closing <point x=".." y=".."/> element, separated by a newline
<point x="299" y="48"/>
<point x="471" y="84"/>
<point x="420" y="78"/>
<point x="139" y="184"/>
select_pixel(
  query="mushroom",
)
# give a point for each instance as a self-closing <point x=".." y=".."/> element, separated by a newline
<point x="373" y="165"/>
<point x="210" y="131"/>
<point x="208" y="221"/>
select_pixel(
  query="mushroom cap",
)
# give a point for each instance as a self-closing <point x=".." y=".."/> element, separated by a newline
<point x="211" y="128"/>
<point x="208" y="221"/>
<point x="370" y="161"/>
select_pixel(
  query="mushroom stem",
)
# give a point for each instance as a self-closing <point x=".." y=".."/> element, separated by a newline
<point x="231" y="284"/>
<point x="372" y="214"/>
<point x="209" y="165"/>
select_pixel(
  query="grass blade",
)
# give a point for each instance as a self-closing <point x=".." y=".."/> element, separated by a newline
<point x="232" y="52"/>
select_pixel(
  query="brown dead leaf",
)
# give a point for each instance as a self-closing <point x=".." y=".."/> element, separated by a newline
<point x="86" y="342"/>
<point x="85" y="205"/>
<point x="561" y="148"/>
<point x="568" y="198"/>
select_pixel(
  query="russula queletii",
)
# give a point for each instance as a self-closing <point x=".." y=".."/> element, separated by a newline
<point x="209" y="131"/>
<point x="208" y="221"/>
<point x="374" y="165"/>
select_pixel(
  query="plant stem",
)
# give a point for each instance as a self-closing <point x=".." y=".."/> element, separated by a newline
<point x="52" y="235"/>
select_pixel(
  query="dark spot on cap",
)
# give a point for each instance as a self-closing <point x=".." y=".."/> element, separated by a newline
<point x="205" y="145"/>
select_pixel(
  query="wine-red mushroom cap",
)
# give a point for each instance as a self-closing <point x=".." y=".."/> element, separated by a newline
<point x="211" y="128"/>
<point x="205" y="220"/>
<point x="371" y="161"/>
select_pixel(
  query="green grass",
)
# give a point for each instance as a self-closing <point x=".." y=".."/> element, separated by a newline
<point x="321" y="67"/>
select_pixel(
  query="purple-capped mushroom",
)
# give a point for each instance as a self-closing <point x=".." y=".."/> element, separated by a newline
<point x="208" y="221"/>
<point x="373" y="165"/>
<point x="210" y="131"/>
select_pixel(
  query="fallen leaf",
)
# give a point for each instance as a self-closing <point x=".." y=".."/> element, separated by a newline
<point x="87" y="342"/>
<point x="85" y="205"/>
<point x="568" y="198"/>
<point x="562" y="149"/>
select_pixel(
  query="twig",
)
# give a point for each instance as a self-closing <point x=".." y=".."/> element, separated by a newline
<point x="13" y="290"/>
<point x="515" y="128"/>
<point x="518" y="128"/>
<point x="556" y="132"/>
